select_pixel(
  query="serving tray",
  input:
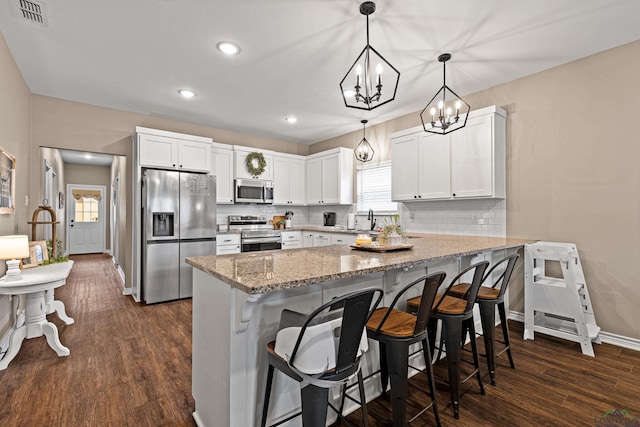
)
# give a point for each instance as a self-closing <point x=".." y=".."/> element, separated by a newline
<point x="381" y="248"/>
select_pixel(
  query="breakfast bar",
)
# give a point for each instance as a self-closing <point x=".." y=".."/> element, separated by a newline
<point x="237" y="301"/>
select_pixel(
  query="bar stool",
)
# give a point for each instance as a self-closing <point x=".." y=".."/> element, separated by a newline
<point x="488" y="298"/>
<point x="395" y="331"/>
<point x="322" y="351"/>
<point x="457" y="319"/>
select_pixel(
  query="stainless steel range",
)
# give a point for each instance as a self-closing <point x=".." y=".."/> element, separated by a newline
<point x="256" y="233"/>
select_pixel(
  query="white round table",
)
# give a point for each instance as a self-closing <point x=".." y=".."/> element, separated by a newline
<point x="38" y="285"/>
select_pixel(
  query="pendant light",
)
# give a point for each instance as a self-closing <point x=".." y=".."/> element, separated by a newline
<point x="371" y="81"/>
<point x="446" y="111"/>
<point x="363" y="151"/>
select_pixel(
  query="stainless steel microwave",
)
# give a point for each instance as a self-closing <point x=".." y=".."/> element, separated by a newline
<point x="254" y="191"/>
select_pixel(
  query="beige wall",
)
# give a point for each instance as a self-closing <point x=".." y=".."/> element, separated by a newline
<point x="119" y="170"/>
<point x="15" y="135"/>
<point x="92" y="175"/>
<point x="54" y="159"/>
<point x="572" y="171"/>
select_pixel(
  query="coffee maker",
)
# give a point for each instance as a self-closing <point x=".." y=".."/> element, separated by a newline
<point x="329" y="219"/>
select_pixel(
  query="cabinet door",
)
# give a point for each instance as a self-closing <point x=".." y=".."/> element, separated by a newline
<point x="241" y="168"/>
<point x="195" y="156"/>
<point x="331" y="179"/>
<point x="281" y="181"/>
<point x="158" y="151"/>
<point x="404" y="168"/>
<point x="307" y="239"/>
<point x="223" y="169"/>
<point x="434" y="172"/>
<point x="297" y="180"/>
<point x="472" y="159"/>
<point x="343" y="239"/>
<point x="314" y="181"/>
<point x="321" y="239"/>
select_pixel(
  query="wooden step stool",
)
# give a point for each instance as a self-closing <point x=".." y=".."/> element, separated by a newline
<point x="558" y="307"/>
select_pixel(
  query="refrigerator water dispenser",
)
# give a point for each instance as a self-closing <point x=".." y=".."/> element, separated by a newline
<point x="163" y="224"/>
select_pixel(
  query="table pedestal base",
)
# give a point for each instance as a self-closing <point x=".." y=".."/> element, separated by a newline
<point x="35" y="325"/>
<point x="57" y="307"/>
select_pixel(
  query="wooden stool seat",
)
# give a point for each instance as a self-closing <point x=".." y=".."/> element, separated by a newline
<point x="449" y="304"/>
<point x="398" y="324"/>
<point x="484" y="292"/>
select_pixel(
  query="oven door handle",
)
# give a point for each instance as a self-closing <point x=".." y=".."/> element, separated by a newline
<point x="262" y="240"/>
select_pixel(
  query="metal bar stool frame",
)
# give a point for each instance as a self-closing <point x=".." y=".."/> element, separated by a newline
<point x="357" y="309"/>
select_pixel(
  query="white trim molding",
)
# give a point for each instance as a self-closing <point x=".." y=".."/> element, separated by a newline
<point x="606" y="337"/>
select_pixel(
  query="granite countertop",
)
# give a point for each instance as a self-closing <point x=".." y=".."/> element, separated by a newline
<point x="268" y="271"/>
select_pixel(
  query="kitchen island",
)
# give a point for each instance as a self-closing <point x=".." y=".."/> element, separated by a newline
<point x="237" y="300"/>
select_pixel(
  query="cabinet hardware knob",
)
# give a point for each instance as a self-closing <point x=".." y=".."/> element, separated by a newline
<point x="415" y="197"/>
<point x="454" y="194"/>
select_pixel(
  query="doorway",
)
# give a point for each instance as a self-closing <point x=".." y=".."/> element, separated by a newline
<point x="86" y="218"/>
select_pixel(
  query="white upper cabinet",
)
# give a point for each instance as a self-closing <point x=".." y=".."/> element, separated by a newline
<point x="420" y="167"/>
<point x="478" y="158"/>
<point x="241" y="171"/>
<point x="169" y="150"/>
<point x="289" y="180"/>
<point x="467" y="163"/>
<point x="223" y="170"/>
<point x="330" y="177"/>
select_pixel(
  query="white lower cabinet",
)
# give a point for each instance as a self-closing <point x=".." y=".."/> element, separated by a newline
<point x="343" y="239"/>
<point x="291" y="239"/>
<point x="321" y="239"/>
<point x="227" y="244"/>
<point x="307" y="239"/>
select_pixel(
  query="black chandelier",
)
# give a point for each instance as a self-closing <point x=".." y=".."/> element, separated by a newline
<point x="363" y="151"/>
<point x="367" y="72"/>
<point x="444" y="112"/>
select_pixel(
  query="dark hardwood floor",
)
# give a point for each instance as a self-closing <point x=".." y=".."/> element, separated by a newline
<point x="130" y="365"/>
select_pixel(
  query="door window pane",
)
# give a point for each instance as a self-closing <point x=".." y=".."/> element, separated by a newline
<point x="86" y="210"/>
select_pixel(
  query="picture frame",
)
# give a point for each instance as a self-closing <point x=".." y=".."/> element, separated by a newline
<point x="38" y="251"/>
<point x="27" y="263"/>
<point x="61" y="200"/>
<point x="7" y="182"/>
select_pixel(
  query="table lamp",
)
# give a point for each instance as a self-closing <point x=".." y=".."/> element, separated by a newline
<point x="13" y="249"/>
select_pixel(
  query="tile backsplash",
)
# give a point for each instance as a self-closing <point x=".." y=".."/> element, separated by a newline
<point x="482" y="217"/>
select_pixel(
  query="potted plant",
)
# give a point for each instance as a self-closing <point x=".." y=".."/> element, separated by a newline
<point x="281" y="223"/>
<point x="392" y="234"/>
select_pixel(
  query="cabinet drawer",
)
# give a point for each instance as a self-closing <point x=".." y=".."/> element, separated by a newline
<point x="228" y="239"/>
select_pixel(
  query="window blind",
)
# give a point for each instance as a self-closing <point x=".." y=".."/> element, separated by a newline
<point x="374" y="188"/>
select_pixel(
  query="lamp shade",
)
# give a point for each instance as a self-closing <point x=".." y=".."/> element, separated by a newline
<point x="14" y="247"/>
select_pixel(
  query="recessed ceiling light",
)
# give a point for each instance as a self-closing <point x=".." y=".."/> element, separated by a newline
<point x="187" y="93"/>
<point x="291" y="119"/>
<point x="228" y="48"/>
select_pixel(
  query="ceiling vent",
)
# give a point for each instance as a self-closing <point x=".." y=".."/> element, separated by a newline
<point x="31" y="10"/>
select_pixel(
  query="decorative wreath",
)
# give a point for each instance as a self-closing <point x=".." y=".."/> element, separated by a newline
<point x="249" y="163"/>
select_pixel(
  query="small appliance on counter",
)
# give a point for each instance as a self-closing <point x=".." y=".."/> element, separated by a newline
<point x="329" y="219"/>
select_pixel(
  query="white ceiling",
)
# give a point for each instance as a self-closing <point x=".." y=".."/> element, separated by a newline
<point x="136" y="55"/>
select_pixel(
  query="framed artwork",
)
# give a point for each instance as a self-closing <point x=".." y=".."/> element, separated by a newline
<point x="38" y="251"/>
<point x="28" y="263"/>
<point x="61" y="200"/>
<point x="7" y="182"/>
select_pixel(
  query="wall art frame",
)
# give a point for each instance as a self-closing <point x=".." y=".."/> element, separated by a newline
<point x="7" y="182"/>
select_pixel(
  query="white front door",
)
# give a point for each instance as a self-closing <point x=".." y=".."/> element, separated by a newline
<point x="86" y="218"/>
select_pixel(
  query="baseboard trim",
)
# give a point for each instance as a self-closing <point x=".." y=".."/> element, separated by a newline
<point x="606" y="337"/>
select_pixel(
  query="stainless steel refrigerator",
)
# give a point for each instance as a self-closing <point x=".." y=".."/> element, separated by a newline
<point x="178" y="221"/>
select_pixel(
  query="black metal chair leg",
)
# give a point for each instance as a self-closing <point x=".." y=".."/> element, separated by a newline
<point x="426" y="350"/>
<point x="315" y="401"/>
<point x="363" y="401"/>
<point x="267" y="394"/>
<point x="452" y="330"/>
<point x="487" y="317"/>
<point x="384" y="369"/>
<point x="474" y="351"/>
<point x="505" y="332"/>
<point x="397" y="357"/>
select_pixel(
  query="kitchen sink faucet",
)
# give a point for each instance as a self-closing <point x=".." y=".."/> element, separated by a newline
<point x="372" y="219"/>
